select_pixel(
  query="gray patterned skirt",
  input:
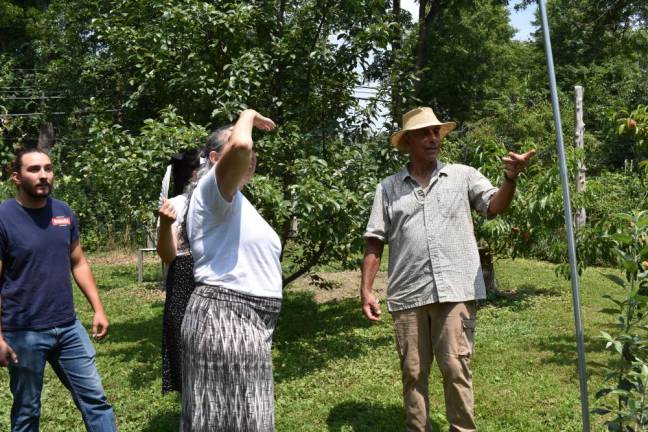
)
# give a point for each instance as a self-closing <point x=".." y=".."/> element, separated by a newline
<point x="227" y="361"/>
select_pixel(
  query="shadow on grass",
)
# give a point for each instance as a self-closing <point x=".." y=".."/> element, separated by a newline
<point x="143" y="352"/>
<point x="518" y="299"/>
<point x="563" y="348"/>
<point x="120" y="276"/>
<point x="310" y="335"/>
<point x="109" y="278"/>
<point x="167" y="422"/>
<point x="369" y="417"/>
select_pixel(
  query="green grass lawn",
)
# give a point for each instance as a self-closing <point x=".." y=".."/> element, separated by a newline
<point x="334" y="371"/>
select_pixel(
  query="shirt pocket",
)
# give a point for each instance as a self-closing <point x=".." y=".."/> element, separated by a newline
<point x="452" y="201"/>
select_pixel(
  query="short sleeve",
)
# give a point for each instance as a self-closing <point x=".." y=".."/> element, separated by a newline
<point x="480" y="191"/>
<point x="378" y="225"/>
<point x="210" y="195"/>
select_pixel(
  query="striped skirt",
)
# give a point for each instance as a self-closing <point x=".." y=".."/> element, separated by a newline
<point x="227" y="362"/>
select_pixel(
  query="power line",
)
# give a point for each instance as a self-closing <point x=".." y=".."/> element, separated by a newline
<point x="36" y="114"/>
<point x="30" y="114"/>
<point x="30" y="97"/>
<point x="19" y="88"/>
<point x="14" y="139"/>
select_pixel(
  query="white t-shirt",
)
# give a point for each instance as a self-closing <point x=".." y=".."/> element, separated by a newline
<point x="232" y="245"/>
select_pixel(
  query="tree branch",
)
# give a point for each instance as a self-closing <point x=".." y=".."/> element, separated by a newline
<point x="307" y="266"/>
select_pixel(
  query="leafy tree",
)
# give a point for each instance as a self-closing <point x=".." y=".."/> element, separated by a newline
<point x="625" y="401"/>
<point x="635" y="126"/>
<point x="602" y="46"/>
<point x="471" y="59"/>
<point x="119" y="64"/>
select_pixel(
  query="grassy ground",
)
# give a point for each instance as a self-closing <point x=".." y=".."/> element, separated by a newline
<point x="334" y="371"/>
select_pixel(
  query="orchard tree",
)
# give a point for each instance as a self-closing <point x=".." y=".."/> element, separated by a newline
<point x="118" y="65"/>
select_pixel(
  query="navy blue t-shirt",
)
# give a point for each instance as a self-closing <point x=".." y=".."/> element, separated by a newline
<point x="35" y="286"/>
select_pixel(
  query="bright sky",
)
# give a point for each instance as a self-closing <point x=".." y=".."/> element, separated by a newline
<point x="520" y="20"/>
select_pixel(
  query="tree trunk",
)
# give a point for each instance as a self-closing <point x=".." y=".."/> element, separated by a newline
<point x="46" y="136"/>
<point x="425" y="21"/>
<point x="486" y="259"/>
<point x="579" y="132"/>
<point x="396" y="99"/>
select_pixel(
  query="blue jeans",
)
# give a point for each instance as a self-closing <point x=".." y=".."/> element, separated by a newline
<point x="72" y="356"/>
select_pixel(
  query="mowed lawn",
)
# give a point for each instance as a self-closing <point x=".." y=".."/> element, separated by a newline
<point x="334" y="371"/>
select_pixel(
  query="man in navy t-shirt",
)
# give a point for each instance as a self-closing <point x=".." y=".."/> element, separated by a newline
<point x="39" y="247"/>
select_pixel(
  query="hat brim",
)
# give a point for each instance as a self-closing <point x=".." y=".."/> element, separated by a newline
<point x="396" y="139"/>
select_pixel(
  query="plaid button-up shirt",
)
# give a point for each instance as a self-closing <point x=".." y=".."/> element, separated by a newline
<point x="433" y="253"/>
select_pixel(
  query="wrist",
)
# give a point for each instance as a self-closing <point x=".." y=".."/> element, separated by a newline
<point x="248" y="113"/>
<point x="510" y="179"/>
<point x="365" y="294"/>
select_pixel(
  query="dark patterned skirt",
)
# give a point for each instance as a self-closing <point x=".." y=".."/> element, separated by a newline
<point x="227" y="363"/>
<point x="179" y="286"/>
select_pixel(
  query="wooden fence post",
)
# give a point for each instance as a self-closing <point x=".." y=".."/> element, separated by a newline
<point x="579" y="132"/>
<point x="46" y="136"/>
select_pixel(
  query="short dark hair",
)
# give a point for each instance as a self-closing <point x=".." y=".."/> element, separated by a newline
<point x="16" y="164"/>
<point x="215" y="141"/>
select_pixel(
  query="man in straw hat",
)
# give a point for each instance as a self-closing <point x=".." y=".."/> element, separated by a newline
<point x="424" y="213"/>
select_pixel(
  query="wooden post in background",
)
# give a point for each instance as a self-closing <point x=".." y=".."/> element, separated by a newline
<point x="579" y="132"/>
<point x="46" y="136"/>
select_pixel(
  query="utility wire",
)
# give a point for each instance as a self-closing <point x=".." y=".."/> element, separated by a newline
<point x="36" y="114"/>
<point x="30" y="114"/>
<point x="30" y="97"/>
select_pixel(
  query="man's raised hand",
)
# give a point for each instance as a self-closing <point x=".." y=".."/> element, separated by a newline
<point x="515" y="163"/>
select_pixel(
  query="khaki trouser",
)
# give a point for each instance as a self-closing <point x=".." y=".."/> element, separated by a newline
<point x="444" y="331"/>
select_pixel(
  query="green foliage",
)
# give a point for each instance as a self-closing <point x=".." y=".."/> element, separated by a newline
<point x="115" y="66"/>
<point x="320" y="204"/>
<point x="327" y="357"/>
<point x="113" y="181"/>
<point x="470" y="59"/>
<point x="119" y="65"/>
<point x="625" y="400"/>
<point x="635" y="125"/>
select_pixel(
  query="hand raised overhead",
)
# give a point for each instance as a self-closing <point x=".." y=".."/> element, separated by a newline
<point x="263" y="123"/>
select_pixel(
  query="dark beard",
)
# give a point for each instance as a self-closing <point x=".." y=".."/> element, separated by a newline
<point x="32" y="192"/>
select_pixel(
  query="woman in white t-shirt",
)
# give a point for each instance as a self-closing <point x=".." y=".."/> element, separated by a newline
<point x="229" y="321"/>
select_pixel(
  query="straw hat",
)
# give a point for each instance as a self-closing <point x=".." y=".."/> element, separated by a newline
<point x="419" y="118"/>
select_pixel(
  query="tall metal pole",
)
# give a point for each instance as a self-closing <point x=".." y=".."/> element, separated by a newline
<point x="582" y="373"/>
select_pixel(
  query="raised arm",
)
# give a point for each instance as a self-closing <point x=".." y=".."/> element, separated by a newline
<point x="370" y="267"/>
<point x="237" y="154"/>
<point x="514" y="164"/>
<point x="84" y="278"/>
<point x="7" y="355"/>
